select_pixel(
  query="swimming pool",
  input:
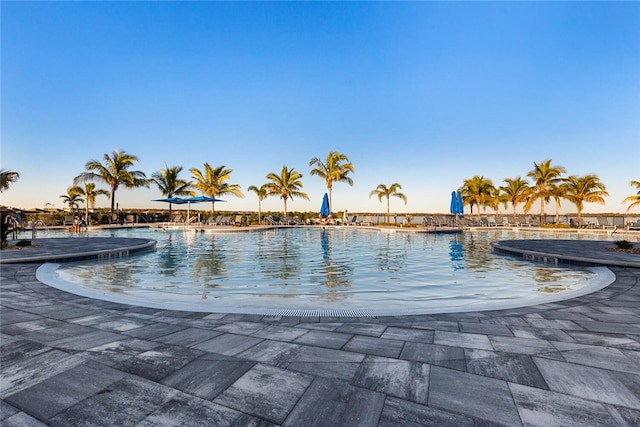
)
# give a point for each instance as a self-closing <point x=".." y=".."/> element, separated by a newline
<point x="333" y="271"/>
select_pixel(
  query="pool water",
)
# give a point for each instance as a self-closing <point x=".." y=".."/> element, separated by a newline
<point x="338" y="270"/>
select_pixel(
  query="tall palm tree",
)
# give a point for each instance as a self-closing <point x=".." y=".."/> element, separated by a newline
<point x="544" y="176"/>
<point x="587" y="188"/>
<point x="334" y="169"/>
<point x="114" y="172"/>
<point x="558" y="191"/>
<point x="73" y="197"/>
<point x="90" y="193"/>
<point x="262" y="194"/>
<point x="384" y="191"/>
<point x="634" y="200"/>
<point x="6" y="178"/>
<point x="516" y="191"/>
<point x="477" y="191"/>
<point x="287" y="185"/>
<point x="211" y="182"/>
<point x="169" y="184"/>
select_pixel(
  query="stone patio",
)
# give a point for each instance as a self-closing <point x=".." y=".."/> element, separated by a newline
<point x="68" y="360"/>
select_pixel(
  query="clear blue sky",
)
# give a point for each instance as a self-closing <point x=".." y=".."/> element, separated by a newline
<point x="425" y="94"/>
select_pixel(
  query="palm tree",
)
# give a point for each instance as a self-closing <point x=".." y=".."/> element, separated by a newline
<point x="114" y="172"/>
<point x="384" y="191"/>
<point x="335" y="169"/>
<point x="169" y="184"/>
<point x="635" y="199"/>
<point x="516" y="191"/>
<point x="211" y="182"/>
<point x="478" y="191"/>
<point x="544" y="176"/>
<point x="73" y="197"/>
<point x="262" y="194"/>
<point x="558" y="191"/>
<point x="90" y="193"/>
<point x="6" y="178"/>
<point x="287" y="185"/>
<point x="581" y="189"/>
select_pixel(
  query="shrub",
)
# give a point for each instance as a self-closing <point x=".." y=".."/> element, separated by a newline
<point x="23" y="243"/>
<point x="623" y="244"/>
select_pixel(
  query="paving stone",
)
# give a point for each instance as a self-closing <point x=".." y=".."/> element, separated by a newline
<point x="65" y="330"/>
<point x="541" y="334"/>
<point x="30" y="326"/>
<point x="605" y="339"/>
<point x="324" y="339"/>
<point x="614" y="328"/>
<point x="207" y="378"/>
<point x="548" y="409"/>
<point x="514" y="368"/>
<point x="126" y="402"/>
<point x="49" y="397"/>
<point x="6" y="410"/>
<point x="472" y="395"/>
<point x="329" y="402"/>
<point x="369" y="329"/>
<point x="123" y="325"/>
<point x="22" y="420"/>
<point x="459" y="339"/>
<point x="189" y="411"/>
<point x="9" y="316"/>
<point x="241" y="328"/>
<point x="118" y="351"/>
<point x="339" y="370"/>
<point x="437" y="325"/>
<point x="624" y="416"/>
<point x="590" y="383"/>
<point x="188" y="337"/>
<point x="440" y="355"/>
<point x="279" y="333"/>
<point x="18" y="351"/>
<point x="600" y="357"/>
<point x="150" y="332"/>
<point x="275" y="353"/>
<point x="228" y="344"/>
<point x="265" y="391"/>
<point x="485" y="328"/>
<point x="26" y="372"/>
<point x="322" y="326"/>
<point x="407" y="334"/>
<point x="159" y="362"/>
<point x="375" y="346"/>
<point x="400" y="378"/>
<point x="397" y="412"/>
<point x="319" y="354"/>
<point x="86" y="341"/>
<point x="567" y="325"/>
<point x="521" y="345"/>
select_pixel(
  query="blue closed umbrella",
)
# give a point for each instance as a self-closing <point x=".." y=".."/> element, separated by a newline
<point x="459" y="203"/>
<point x="453" y="206"/>
<point x="324" y="209"/>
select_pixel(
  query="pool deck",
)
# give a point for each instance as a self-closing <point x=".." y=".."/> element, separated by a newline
<point x="68" y="360"/>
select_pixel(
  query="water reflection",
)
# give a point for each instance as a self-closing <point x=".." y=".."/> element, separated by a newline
<point x="335" y="272"/>
<point x="456" y="253"/>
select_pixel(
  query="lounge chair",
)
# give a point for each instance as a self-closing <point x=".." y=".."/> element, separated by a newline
<point x="491" y="221"/>
<point x="68" y="220"/>
<point x="604" y="223"/>
<point x="367" y="220"/>
<point x="238" y="220"/>
<point x="177" y="218"/>
<point x="129" y="219"/>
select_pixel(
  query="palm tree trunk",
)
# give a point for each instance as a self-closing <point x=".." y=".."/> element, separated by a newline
<point x="113" y="202"/>
<point x="388" y="219"/>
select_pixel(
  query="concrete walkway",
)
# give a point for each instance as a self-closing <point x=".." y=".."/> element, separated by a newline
<point x="72" y="361"/>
